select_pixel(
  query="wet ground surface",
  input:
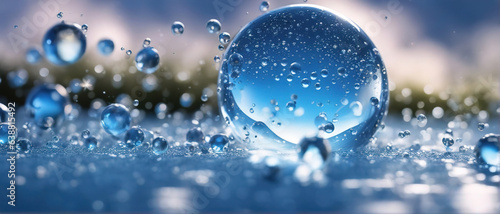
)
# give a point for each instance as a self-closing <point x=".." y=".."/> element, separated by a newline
<point x="401" y="178"/>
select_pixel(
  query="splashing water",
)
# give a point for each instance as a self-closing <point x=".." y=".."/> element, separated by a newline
<point x="329" y="42"/>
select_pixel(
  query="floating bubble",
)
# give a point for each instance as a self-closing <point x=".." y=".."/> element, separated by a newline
<point x="85" y="134"/>
<point x="75" y="85"/>
<point x="273" y="37"/>
<point x="128" y="52"/>
<point x="314" y="151"/>
<point x="448" y="141"/>
<point x="60" y="15"/>
<point x="487" y="150"/>
<point x="216" y="59"/>
<point x="115" y="119"/>
<point x="146" y="43"/>
<point x="422" y="120"/>
<point x="147" y="60"/>
<point x="85" y="28"/>
<point x="134" y="137"/>
<point x="177" y="28"/>
<point x="17" y="79"/>
<point x="23" y="145"/>
<point x="218" y="143"/>
<point x="160" y="145"/>
<point x="264" y="6"/>
<point x="64" y="44"/>
<point x="195" y="135"/>
<point x="186" y="100"/>
<point x="105" y="47"/>
<point x="482" y="126"/>
<point x="213" y="26"/>
<point x="33" y="56"/>
<point x="224" y="38"/>
<point x="90" y="143"/>
<point x="48" y="104"/>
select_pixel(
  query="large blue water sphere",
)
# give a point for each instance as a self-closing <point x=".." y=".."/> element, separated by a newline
<point x="48" y="105"/>
<point x="64" y="44"/>
<point x="302" y="70"/>
<point x="115" y="119"/>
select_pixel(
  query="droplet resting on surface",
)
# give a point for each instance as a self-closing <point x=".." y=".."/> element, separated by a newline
<point x="487" y="150"/>
<point x="64" y="44"/>
<point x="328" y="41"/>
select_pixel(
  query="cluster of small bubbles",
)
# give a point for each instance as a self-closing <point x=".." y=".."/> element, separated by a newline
<point x="18" y="78"/>
<point x="314" y="151"/>
<point x="487" y="150"/>
<point x="224" y="38"/>
<point x="48" y="104"/>
<point x="60" y="15"/>
<point x="405" y="133"/>
<point x="160" y="145"/>
<point x="115" y="119"/>
<point x="85" y="28"/>
<point x="23" y="145"/>
<point x="195" y="135"/>
<point x="85" y="134"/>
<point x="422" y="120"/>
<point x="105" y="47"/>
<point x="482" y="126"/>
<point x="264" y="6"/>
<point x="177" y="28"/>
<point x="213" y="26"/>
<point x="64" y="44"/>
<point x="90" y="142"/>
<point x="186" y="100"/>
<point x="33" y="56"/>
<point x="134" y="137"/>
<point x="147" y="60"/>
<point x="146" y="43"/>
<point x="75" y="85"/>
<point x="218" y="143"/>
<point x="216" y="58"/>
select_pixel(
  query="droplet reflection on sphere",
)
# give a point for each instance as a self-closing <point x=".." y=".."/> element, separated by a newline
<point x="328" y="41"/>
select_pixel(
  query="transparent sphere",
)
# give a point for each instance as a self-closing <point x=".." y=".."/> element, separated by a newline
<point x="213" y="26"/>
<point x="115" y="119"/>
<point x="134" y="137"/>
<point x="105" y="47"/>
<point x="147" y="60"/>
<point x="487" y="150"/>
<point x="33" y="56"/>
<point x="177" y="28"/>
<point x="270" y="92"/>
<point x="64" y="44"/>
<point x="48" y="105"/>
<point x="160" y="145"/>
